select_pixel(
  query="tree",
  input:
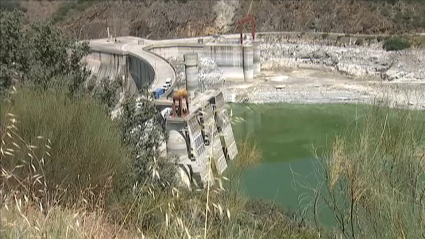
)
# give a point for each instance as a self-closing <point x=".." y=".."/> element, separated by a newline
<point x="39" y="55"/>
<point x="143" y="132"/>
<point x="12" y="45"/>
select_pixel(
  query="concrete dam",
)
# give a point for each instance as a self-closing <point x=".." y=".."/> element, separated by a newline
<point x="200" y="138"/>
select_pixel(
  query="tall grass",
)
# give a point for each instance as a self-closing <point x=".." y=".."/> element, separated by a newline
<point x="61" y="158"/>
<point x="71" y="143"/>
<point x="374" y="177"/>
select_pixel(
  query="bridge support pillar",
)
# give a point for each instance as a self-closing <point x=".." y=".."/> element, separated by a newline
<point x="248" y="62"/>
<point x="191" y="69"/>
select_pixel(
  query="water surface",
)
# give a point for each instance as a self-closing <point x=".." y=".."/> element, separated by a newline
<point x="289" y="136"/>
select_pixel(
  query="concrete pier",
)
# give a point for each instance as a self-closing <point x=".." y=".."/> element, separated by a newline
<point x="191" y="69"/>
<point x="257" y="57"/>
<point x="248" y="62"/>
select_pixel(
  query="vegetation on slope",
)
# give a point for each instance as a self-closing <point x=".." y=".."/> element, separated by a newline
<point x="85" y="19"/>
<point x="169" y="19"/>
<point x="68" y="170"/>
<point x="373" y="180"/>
<point x="73" y="182"/>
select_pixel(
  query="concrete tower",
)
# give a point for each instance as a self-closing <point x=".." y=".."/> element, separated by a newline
<point x="248" y="62"/>
<point x="257" y="56"/>
<point x="191" y="69"/>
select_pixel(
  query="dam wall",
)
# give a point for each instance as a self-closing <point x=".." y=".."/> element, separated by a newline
<point x="132" y="69"/>
<point x="111" y="65"/>
<point x="204" y="127"/>
<point x="141" y="71"/>
<point x="228" y="57"/>
<point x="237" y="62"/>
<point x="107" y="64"/>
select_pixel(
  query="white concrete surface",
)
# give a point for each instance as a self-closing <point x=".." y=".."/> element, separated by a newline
<point x="130" y="46"/>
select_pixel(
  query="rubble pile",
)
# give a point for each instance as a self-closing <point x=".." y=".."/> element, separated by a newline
<point x="209" y="75"/>
<point x="178" y="64"/>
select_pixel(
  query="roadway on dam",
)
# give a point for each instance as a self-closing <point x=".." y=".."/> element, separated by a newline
<point x="134" y="46"/>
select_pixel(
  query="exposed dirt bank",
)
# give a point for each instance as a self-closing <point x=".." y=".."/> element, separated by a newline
<point x="362" y="62"/>
<point x="159" y="19"/>
<point x="320" y="86"/>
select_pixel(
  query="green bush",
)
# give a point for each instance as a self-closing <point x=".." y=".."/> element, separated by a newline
<point x="379" y="38"/>
<point x="396" y="44"/>
<point x="39" y="53"/>
<point x="359" y="42"/>
<point x="374" y="176"/>
<point x="80" y="148"/>
<point x="11" y="5"/>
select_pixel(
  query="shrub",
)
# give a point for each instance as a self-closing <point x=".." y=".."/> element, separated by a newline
<point x="374" y="177"/>
<point x="417" y="40"/>
<point x="39" y="53"/>
<point x="379" y="38"/>
<point x="12" y="5"/>
<point x="359" y="42"/>
<point x="396" y="44"/>
<point x="80" y="148"/>
<point x="325" y="35"/>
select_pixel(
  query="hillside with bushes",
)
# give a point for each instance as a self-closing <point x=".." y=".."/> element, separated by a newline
<point x="69" y="171"/>
<point x="178" y="18"/>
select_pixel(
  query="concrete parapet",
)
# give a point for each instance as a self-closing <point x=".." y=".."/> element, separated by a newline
<point x="167" y="50"/>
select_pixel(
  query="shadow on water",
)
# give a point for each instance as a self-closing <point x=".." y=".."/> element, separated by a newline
<point x="289" y="136"/>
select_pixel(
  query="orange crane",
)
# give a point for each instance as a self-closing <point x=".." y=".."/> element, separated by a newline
<point x="241" y="23"/>
<point x="182" y="109"/>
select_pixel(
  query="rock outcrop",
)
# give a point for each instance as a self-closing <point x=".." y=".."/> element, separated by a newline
<point x="355" y="61"/>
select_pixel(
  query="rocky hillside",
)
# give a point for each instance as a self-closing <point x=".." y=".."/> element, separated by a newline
<point x="182" y="18"/>
<point x="359" y="61"/>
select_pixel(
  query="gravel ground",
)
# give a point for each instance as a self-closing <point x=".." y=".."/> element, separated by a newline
<point x="310" y="73"/>
<point x="356" y="61"/>
<point x="326" y="89"/>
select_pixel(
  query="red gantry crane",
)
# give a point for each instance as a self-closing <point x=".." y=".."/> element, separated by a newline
<point x="241" y="23"/>
<point x="180" y="106"/>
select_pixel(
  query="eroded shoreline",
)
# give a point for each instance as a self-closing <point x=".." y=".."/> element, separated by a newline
<point x="314" y="86"/>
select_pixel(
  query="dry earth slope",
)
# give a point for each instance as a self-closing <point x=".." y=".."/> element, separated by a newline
<point x="184" y="18"/>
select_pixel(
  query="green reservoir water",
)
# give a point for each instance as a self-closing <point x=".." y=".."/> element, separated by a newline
<point x="287" y="135"/>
